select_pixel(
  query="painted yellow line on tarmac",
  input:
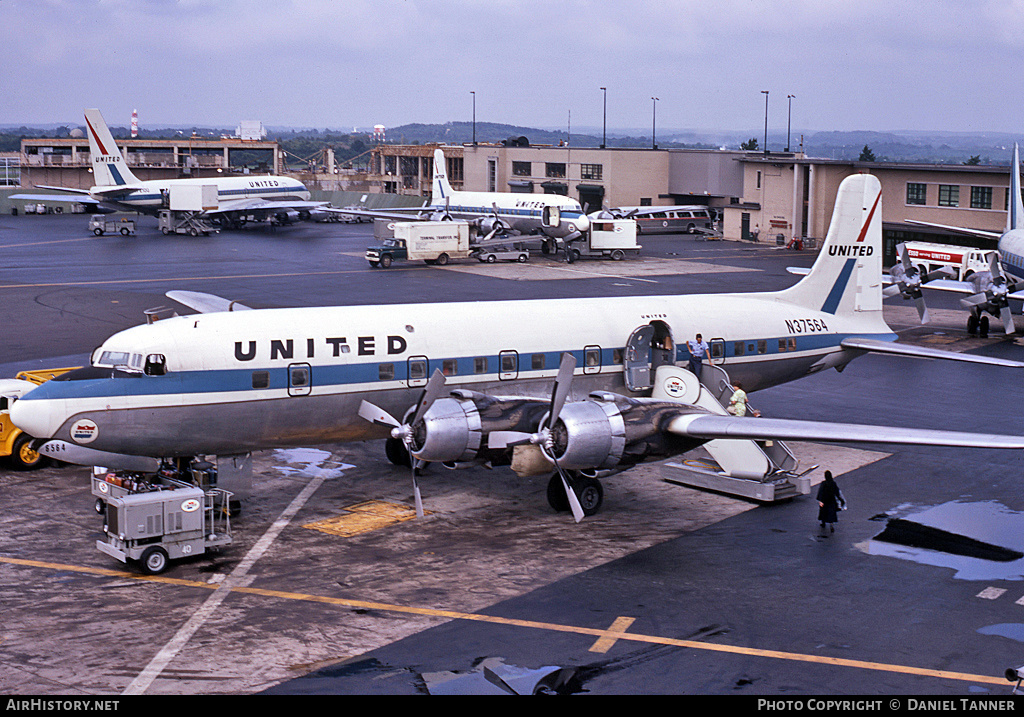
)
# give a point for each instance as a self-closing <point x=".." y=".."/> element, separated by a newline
<point x="606" y="642"/>
<point x="615" y="633"/>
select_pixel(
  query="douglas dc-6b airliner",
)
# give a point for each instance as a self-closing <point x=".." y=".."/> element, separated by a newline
<point x="582" y="385"/>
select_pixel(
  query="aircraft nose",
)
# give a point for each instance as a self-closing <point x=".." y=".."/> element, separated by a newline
<point x="39" y="419"/>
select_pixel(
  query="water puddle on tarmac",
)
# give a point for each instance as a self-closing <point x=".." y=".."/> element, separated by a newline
<point x="977" y="540"/>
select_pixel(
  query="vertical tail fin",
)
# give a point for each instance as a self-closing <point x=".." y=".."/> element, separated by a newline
<point x="441" y="189"/>
<point x="847" y="275"/>
<point x="1015" y="213"/>
<point x="108" y="166"/>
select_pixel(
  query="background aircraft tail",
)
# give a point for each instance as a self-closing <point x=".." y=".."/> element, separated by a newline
<point x="108" y="166"/>
<point x="442" y="190"/>
<point x="1015" y="215"/>
<point x="847" y="275"/>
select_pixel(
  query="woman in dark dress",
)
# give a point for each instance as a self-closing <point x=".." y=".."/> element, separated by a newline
<point x="830" y="500"/>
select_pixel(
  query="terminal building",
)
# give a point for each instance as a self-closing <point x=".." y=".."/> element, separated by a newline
<point x="775" y="196"/>
<point x="772" y="196"/>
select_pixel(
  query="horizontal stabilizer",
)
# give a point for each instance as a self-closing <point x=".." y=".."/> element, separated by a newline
<point x="782" y="429"/>
<point x="897" y="349"/>
<point x="205" y="303"/>
<point x="76" y="198"/>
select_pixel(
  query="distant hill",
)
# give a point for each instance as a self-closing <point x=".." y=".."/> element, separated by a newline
<point x="990" y="148"/>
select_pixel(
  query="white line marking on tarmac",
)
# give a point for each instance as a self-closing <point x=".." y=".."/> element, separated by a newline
<point x="238" y="577"/>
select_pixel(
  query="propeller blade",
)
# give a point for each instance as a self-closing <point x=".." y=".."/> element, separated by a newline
<point x="1007" y="316"/>
<point x="922" y="310"/>
<point x="892" y="290"/>
<point x="492" y="677"/>
<point x="416" y="486"/>
<point x="974" y="300"/>
<point x="562" y="384"/>
<point x="574" y="502"/>
<point x="433" y="391"/>
<point x="376" y="415"/>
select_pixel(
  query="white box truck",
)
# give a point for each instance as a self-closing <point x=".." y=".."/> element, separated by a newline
<point x="433" y="242"/>
<point x="613" y="238"/>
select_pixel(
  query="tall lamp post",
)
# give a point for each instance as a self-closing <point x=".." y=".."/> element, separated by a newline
<point x="604" y="124"/>
<point x="765" y="93"/>
<point x="654" y="122"/>
<point x="474" y="117"/>
<point x="789" y="119"/>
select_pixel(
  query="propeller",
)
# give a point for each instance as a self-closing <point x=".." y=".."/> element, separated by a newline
<point x="907" y="280"/>
<point x="406" y="432"/>
<point x="544" y="437"/>
<point x="1001" y="286"/>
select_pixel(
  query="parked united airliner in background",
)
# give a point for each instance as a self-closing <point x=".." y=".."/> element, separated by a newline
<point x="580" y="385"/>
<point x="238" y="196"/>
<point x="991" y="291"/>
<point x="556" y="216"/>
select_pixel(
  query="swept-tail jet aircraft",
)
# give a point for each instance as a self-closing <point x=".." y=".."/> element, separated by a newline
<point x="581" y="386"/>
<point x="117" y="187"/>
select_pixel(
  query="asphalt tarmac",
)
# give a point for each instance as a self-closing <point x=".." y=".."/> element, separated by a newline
<point x="667" y="590"/>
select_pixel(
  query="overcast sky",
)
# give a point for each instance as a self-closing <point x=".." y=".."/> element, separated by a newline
<point x="949" y="65"/>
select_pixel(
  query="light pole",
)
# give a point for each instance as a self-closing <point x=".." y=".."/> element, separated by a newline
<point x="654" y="122"/>
<point x="765" y="93"/>
<point x="604" y="124"/>
<point x="474" y="117"/>
<point x="789" y="119"/>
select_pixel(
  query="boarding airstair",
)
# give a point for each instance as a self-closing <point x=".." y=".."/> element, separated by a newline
<point x="765" y="471"/>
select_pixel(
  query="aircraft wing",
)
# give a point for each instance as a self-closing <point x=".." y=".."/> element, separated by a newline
<point x="898" y="349"/>
<point x="962" y="230"/>
<point x="783" y="429"/>
<point x="76" y="198"/>
<point x="205" y="303"/>
<point x="397" y="214"/>
<point x="256" y="204"/>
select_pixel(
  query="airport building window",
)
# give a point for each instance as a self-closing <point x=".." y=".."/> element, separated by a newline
<point x="386" y="372"/>
<point x="949" y="195"/>
<point x="456" y="172"/>
<point x="591" y="171"/>
<point x="981" y="197"/>
<point x="554" y="169"/>
<point x="10" y="172"/>
<point x="390" y="164"/>
<point x="522" y="169"/>
<point x="916" y="192"/>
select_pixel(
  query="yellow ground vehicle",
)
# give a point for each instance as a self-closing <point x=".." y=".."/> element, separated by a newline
<point x="15" y="444"/>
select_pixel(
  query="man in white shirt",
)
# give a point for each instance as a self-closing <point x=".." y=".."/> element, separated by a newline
<point x="698" y="350"/>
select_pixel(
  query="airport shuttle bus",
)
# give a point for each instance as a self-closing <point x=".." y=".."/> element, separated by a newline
<point x="670" y="220"/>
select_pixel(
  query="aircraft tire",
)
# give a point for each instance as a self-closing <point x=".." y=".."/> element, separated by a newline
<point x="983" y="327"/>
<point x="972" y="324"/>
<point x="154" y="561"/>
<point x="556" y="494"/>
<point x="396" y="452"/>
<point x="590" y="493"/>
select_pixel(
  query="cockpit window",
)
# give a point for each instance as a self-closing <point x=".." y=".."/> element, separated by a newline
<point x="131" y="362"/>
<point x="114" y="359"/>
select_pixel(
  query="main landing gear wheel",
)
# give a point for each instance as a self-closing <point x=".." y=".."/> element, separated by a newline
<point x="589" y="491"/>
<point x="396" y="452"/>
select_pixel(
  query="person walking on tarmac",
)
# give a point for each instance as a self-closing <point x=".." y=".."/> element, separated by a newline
<point x="830" y="502"/>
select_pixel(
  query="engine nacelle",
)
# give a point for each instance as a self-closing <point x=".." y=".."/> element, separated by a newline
<point x="492" y="224"/>
<point x="589" y="435"/>
<point x="449" y="431"/>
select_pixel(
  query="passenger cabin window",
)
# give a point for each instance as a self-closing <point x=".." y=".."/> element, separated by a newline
<point x="737" y="348"/>
<point x="508" y="365"/>
<point x="480" y="364"/>
<point x="537" y="362"/>
<point x="261" y="379"/>
<point x="450" y="367"/>
<point x="417" y="369"/>
<point x="386" y="372"/>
